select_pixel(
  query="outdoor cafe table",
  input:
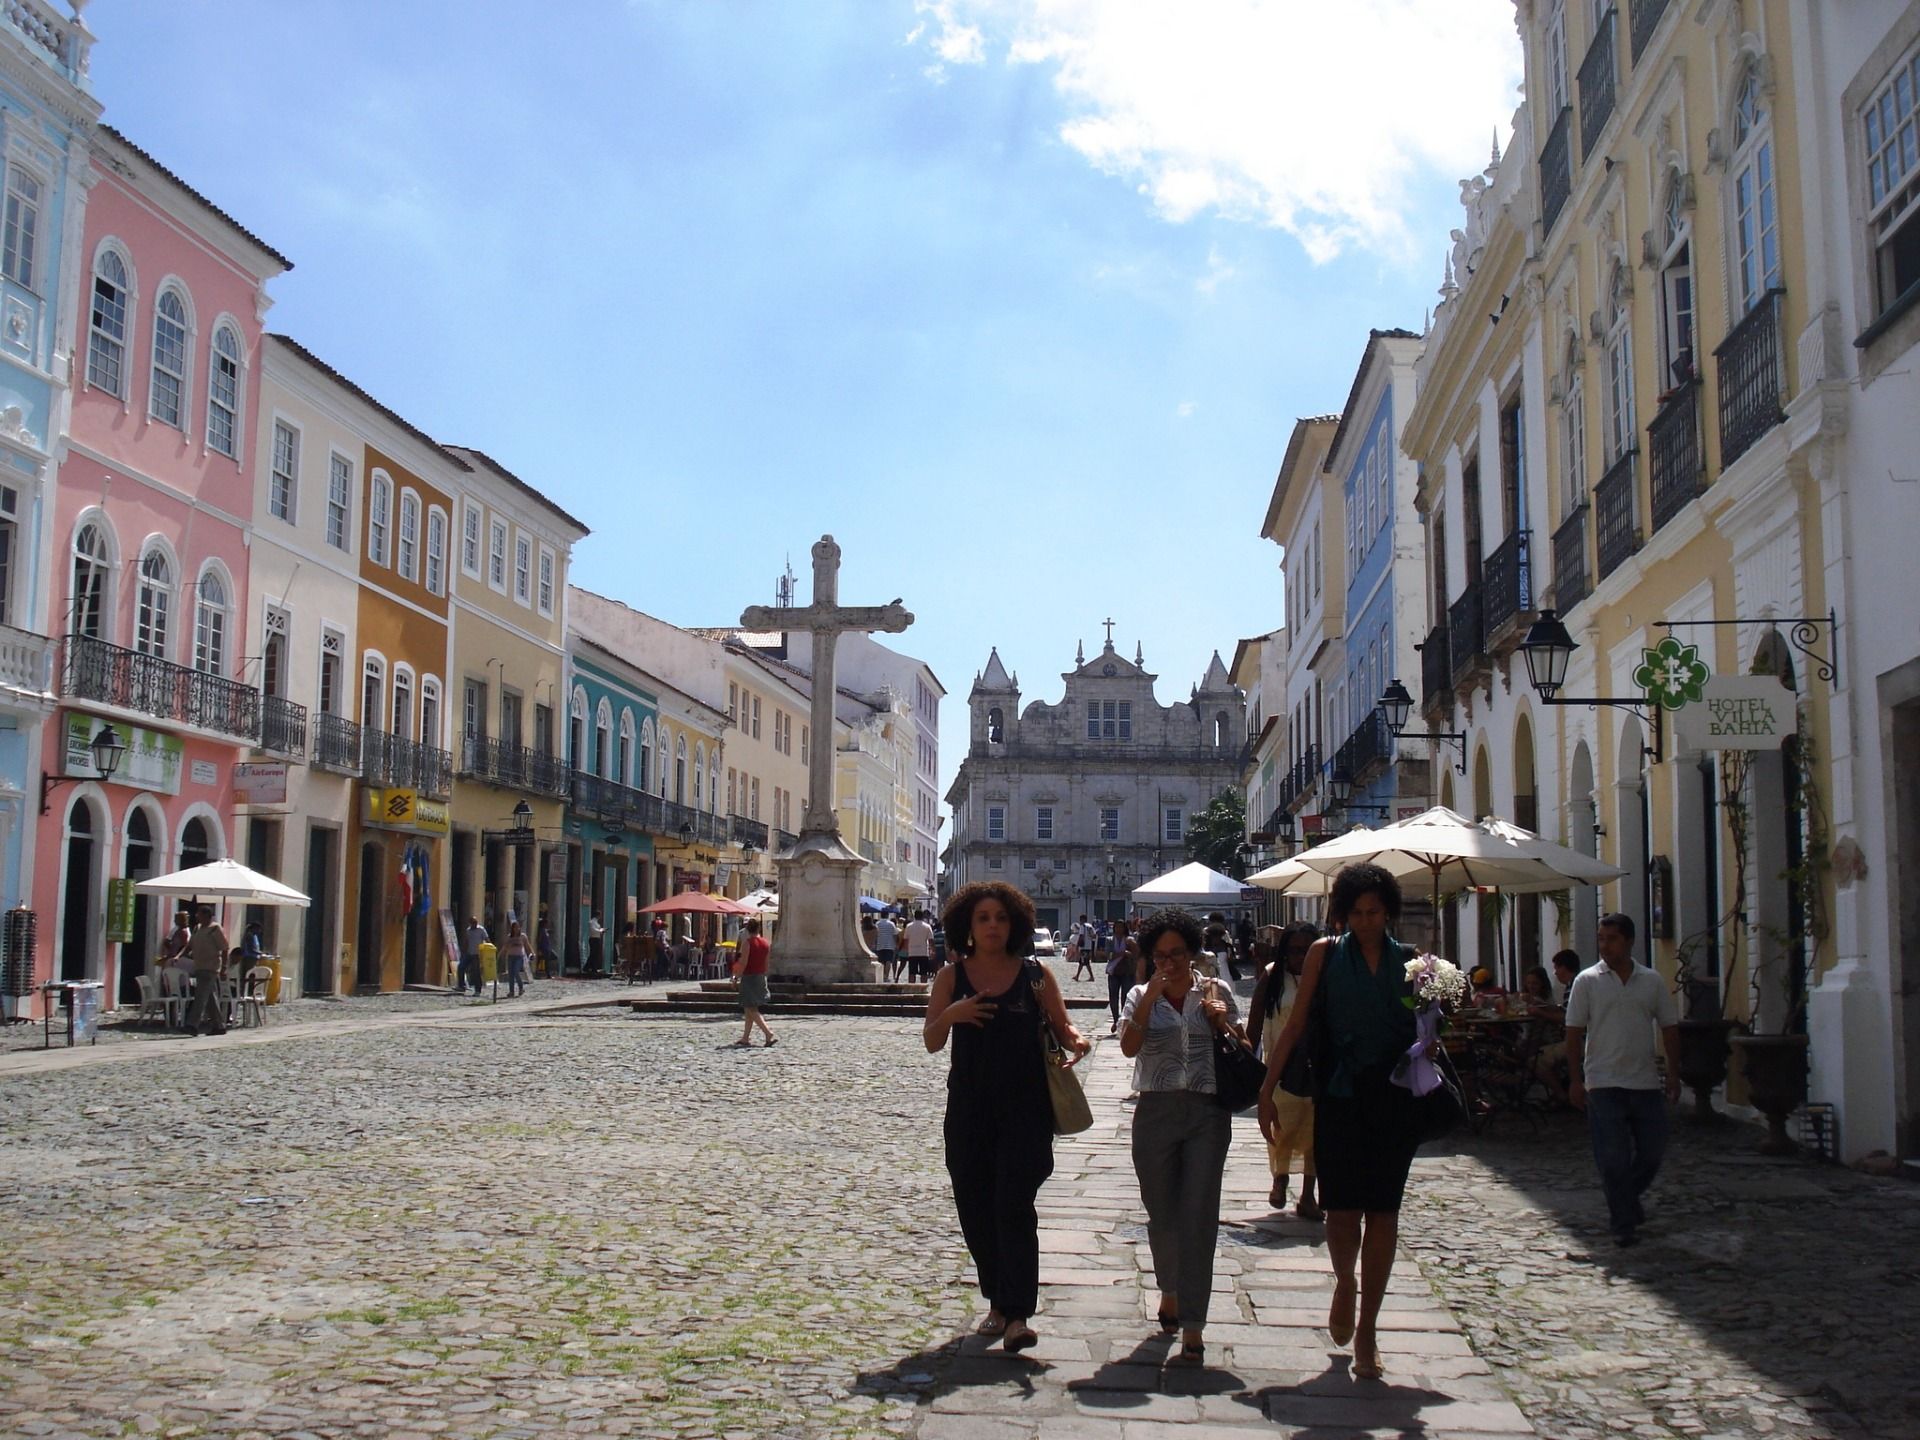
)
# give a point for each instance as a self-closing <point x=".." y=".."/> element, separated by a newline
<point x="75" y="996"/>
<point x="1499" y="1054"/>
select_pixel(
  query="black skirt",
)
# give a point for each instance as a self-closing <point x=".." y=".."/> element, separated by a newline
<point x="1363" y="1144"/>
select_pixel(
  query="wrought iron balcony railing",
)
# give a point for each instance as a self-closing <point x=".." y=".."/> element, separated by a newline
<point x="748" y="832"/>
<point x="283" y="726"/>
<point x="1556" y="170"/>
<point x="513" y="767"/>
<point x="1616" y="526"/>
<point x="1572" y="580"/>
<point x="1300" y="779"/>
<point x="1599" y="76"/>
<point x="1646" y="19"/>
<point x="400" y="763"/>
<point x="148" y="685"/>
<point x="1676" y="464"/>
<point x="1506" y="585"/>
<point x="1368" y="750"/>
<point x="1466" y="633"/>
<point x="1436" y="671"/>
<point x="784" y="840"/>
<point x="1751" y="381"/>
<point x="336" y="743"/>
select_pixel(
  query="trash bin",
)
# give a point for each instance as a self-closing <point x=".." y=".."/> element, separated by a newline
<point x="272" y="962"/>
<point x="489" y="966"/>
<point x="85" y="1003"/>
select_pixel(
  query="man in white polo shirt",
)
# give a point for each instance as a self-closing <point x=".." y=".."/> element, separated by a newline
<point x="1612" y="1009"/>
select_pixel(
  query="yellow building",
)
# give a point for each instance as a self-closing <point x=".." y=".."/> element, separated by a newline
<point x="509" y="561"/>
<point x="1616" y="409"/>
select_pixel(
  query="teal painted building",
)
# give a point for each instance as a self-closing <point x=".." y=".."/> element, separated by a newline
<point x="611" y="718"/>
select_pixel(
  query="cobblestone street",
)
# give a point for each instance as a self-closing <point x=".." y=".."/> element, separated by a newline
<point x="480" y="1222"/>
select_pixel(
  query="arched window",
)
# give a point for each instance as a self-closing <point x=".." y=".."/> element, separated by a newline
<point x="713" y="783"/>
<point x="645" y="778"/>
<point x="430" y="712"/>
<point x="577" y="732"/>
<point x="603" y="741"/>
<point x="153" y="606"/>
<point x="1756" y="228"/>
<point x="680" y="770"/>
<point x="996" y="726"/>
<point x="223" y="392"/>
<point x="623" y="762"/>
<point x="92" y="568"/>
<point x="436" y="550"/>
<point x="699" y="774"/>
<point x="107" y="327"/>
<point x="379" y="516"/>
<point x="1573" y="429"/>
<point x="1676" y="286"/>
<point x="373" y="689"/>
<point x="195" y="848"/>
<point x="167" y="401"/>
<point x="408" y="552"/>
<point x="402" y="702"/>
<point x="210" y="624"/>
<point x="1620" y="424"/>
<point x="20" y="252"/>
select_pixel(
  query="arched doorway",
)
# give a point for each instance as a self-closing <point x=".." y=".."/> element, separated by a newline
<point x="195" y="847"/>
<point x="1583" y="834"/>
<point x="1777" y="827"/>
<point x="80" y="883"/>
<point x="1631" y="830"/>
<point x="141" y="864"/>
<point x="1526" y="813"/>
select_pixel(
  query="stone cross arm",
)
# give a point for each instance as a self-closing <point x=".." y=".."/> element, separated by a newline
<point x="891" y="618"/>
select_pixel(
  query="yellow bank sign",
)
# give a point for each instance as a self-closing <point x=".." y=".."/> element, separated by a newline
<point x="405" y="810"/>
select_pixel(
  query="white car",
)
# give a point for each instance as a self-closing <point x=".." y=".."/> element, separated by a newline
<point x="1043" y="942"/>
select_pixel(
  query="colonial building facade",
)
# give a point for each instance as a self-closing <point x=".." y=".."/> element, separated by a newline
<point x="1078" y="801"/>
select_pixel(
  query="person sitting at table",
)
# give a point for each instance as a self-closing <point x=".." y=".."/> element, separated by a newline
<point x="173" y="951"/>
<point x="252" y="949"/>
<point x="1537" y="990"/>
<point x="1550" y="1060"/>
<point x="1485" y="992"/>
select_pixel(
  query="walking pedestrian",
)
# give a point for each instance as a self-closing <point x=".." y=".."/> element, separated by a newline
<point x="1365" y="1127"/>
<point x="1612" y="1009"/>
<point x="471" y="940"/>
<point x="919" y="942"/>
<point x="1272" y="1004"/>
<point x="207" y="952"/>
<point x="1080" y="949"/>
<point x="886" y="937"/>
<point x="1121" y="967"/>
<point x="993" y="1000"/>
<point x="596" y="945"/>
<point x="1180" y="1134"/>
<point x="543" y="945"/>
<point x="750" y="964"/>
<point x="516" y="951"/>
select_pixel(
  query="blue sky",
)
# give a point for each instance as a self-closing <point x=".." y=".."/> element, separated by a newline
<point x="1018" y="298"/>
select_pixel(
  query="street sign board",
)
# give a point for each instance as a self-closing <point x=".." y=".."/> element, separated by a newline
<point x="1737" y="712"/>
<point x="261" y="782"/>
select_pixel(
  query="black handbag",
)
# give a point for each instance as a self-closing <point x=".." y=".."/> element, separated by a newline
<point x="1238" y="1073"/>
<point x="1442" y="1108"/>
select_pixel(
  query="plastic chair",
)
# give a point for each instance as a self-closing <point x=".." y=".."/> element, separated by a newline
<point x="153" y="1005"/>
<point x="251" y="1000"/>
<point x="176" y="995"/>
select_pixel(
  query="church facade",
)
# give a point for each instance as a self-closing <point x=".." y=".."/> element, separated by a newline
<point x="1078" y="801"/>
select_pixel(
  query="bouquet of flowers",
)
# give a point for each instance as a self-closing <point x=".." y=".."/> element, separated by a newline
<point x="1437" y="986"/>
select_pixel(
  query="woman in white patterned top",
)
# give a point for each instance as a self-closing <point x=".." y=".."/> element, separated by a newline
<point x="1180" y="1134"/>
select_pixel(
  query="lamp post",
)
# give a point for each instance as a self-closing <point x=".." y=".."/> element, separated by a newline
<point x="1110" y="879"/>
<point x="1340" y="787"/>
<point x="1396" y="705"/>
<point x="107" y="749"/>
<point x="1547" y="649"/>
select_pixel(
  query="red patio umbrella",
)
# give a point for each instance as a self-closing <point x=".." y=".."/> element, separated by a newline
<point x="694" y="902"/>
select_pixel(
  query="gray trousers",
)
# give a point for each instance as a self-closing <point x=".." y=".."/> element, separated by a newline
<point x="1180" y="1142"/>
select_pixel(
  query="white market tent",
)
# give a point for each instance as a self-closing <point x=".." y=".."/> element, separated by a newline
<point x="1192" y="884"/>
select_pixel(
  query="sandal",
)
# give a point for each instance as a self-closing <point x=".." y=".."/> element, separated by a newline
<point x="1277" y="1196"/>
<point x="1191" y="1353"/>
<point x="1367" y="1364"/>
<point x="992" y="1325"/>
<point x="1019" y="1339"/>
<point x="1309" y="1210"/>
<point x="1169" y="1321"/>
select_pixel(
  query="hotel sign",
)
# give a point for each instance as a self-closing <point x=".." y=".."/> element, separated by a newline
<point x="406" y="810"/>
<point x="152" y="760"/>
<point x="1737" y="712"/>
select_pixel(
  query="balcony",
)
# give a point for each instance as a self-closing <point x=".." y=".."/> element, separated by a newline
<point x="1466" y="636"/>
<point x="784" y="840"/>
<point x="147" y="685"/>
<point x="336" y="744"/>
<point x="1677" y="466"/>
<point x="1598" y="76"/>
<point x="1436" y="672"/>
<point x="283" y="726"/>
<point x="1367" y="751"/>
<point x="616" y="805"/>
<point x="512" y="767"/>
<point x="1750" y="379"/>
<point x="1556" y="170"/>
<point x="1646" y="19"/>
<point x="63" y="39"/>
<point x="395" y="762"/>
<point x="1572" y="581"/>
<point x="748" y="832"/>
<point x="1506" y="589"/>
<point x="1616" y="530"/>
<point x="26" y="663"/>
<point x="1300" y="779"/>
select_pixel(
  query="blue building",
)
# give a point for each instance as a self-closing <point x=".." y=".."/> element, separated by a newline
<point x="610" y="818"/>
<point x="47" y="113"/>
<point x="1386" y="609"/>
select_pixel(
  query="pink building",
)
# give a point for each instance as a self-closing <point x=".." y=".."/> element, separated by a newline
<point x="151" y="514"/>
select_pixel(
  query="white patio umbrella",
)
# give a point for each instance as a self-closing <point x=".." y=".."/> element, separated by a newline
<point x="1290" y="877"/>
<point x="1571" y="865"/>
<point x="1191" y="884"/>
<point x="224" y="880"/>
<point x="764" y="900"/>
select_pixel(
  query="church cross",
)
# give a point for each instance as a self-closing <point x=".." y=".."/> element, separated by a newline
<point x="1108" y="622"/>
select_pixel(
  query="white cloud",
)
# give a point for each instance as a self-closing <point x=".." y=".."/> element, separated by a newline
<point x="1307" y="115"/>
<point x="1219" y="271"/>
<point x="1185" y="409"/>
<point x="955" y="43"/>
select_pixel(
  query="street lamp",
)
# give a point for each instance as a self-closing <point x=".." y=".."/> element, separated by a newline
<point x="107" y="749"/>
<point x="1340" y="786"/>
<point x="1283" y="828"/>
<point x="1547" y="649"/>
<point x="1396" y="706"/>
<point x="522" y="818"/>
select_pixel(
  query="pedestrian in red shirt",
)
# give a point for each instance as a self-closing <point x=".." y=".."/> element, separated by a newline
<point x="751" y="967"/>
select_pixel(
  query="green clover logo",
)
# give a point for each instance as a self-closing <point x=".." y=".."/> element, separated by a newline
<point x="1672" y="674"/>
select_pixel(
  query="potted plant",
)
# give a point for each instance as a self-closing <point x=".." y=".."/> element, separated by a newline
<point x="1704" y="1031"/>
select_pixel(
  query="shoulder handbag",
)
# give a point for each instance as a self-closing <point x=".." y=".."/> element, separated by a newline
<point x="1442" y="1108"/>
<point x="1237" y="1073"/>
<point x="1071" y="1113"/>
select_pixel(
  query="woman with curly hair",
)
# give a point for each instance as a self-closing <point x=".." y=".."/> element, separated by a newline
<point x="993" y="1000"/>
<point x="1352" y="1014"/>
<point x="1272" y="1004"/>
<point x="1180" y="1134"/>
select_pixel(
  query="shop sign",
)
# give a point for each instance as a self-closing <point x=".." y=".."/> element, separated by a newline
<point x="557" y="866"/>
<point x="262" y="783"/>
<point x="449" y="934"/>
<point x="405" y="810"/>
<point x="1737" y="712"/>
<point x="119" y="910"/>
<point x="205" y="772"/>
<point x="152" y="760"/>
<point x="688" y="880"/>
<point x="1671" y="674"/>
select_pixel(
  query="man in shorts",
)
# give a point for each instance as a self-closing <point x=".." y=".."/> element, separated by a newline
<point x="919" y="938"/>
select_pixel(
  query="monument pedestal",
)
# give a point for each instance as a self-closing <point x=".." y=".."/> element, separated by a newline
<point x="818" y="938"/>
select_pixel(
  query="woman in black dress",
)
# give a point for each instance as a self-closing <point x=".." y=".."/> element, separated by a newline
<point x="1351" y="1012"/>
<point x="993" y="1000"/>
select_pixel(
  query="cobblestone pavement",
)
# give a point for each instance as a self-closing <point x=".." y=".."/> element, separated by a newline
<point x="493" y="1222"/>
<point x="1766" y="1297"/>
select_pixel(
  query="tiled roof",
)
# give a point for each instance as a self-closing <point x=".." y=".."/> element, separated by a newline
<point x="506" y="474"/>
<point x="405" y="424"/>
<point x="207" y="204"/>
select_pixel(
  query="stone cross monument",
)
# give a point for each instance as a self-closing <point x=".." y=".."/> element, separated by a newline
<point x="819" y="934"/>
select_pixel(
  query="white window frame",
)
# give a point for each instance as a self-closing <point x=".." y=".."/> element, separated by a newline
<point x="333" y="646"/>
<point x="1109" y="824"/>
<point x="1888" y="135"/>
<point x="283" y="471"/>
<point x="1622" y="434"/>
<point x="229" y="407"/>
<point x="472" y="539"/>
<point x="436" y="551"/>
<point x="20" y="228"/>
<point x="1043" y="823"/>
<point x="997" y="823"/>
<point x="523" y="568"/>
<point x="431" y="714"/>
<point x="212" y="622"/>
<point x="183" y="402"/>
<point x="165" y="591"/>
<point x="406" y="536"/>
<point x="339" y="522"/>
<point x="1754" y="162"/>
<point x="548" y="583"/>
<point x="1173" y="826"/>
<point x="1556" y="42"/>
<point x="104" y="346"/>
<point x="497" y="555"/>
<point x="379" y="518"/>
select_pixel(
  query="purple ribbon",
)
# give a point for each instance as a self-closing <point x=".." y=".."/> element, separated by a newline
<point x="1415" y="1071"/>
